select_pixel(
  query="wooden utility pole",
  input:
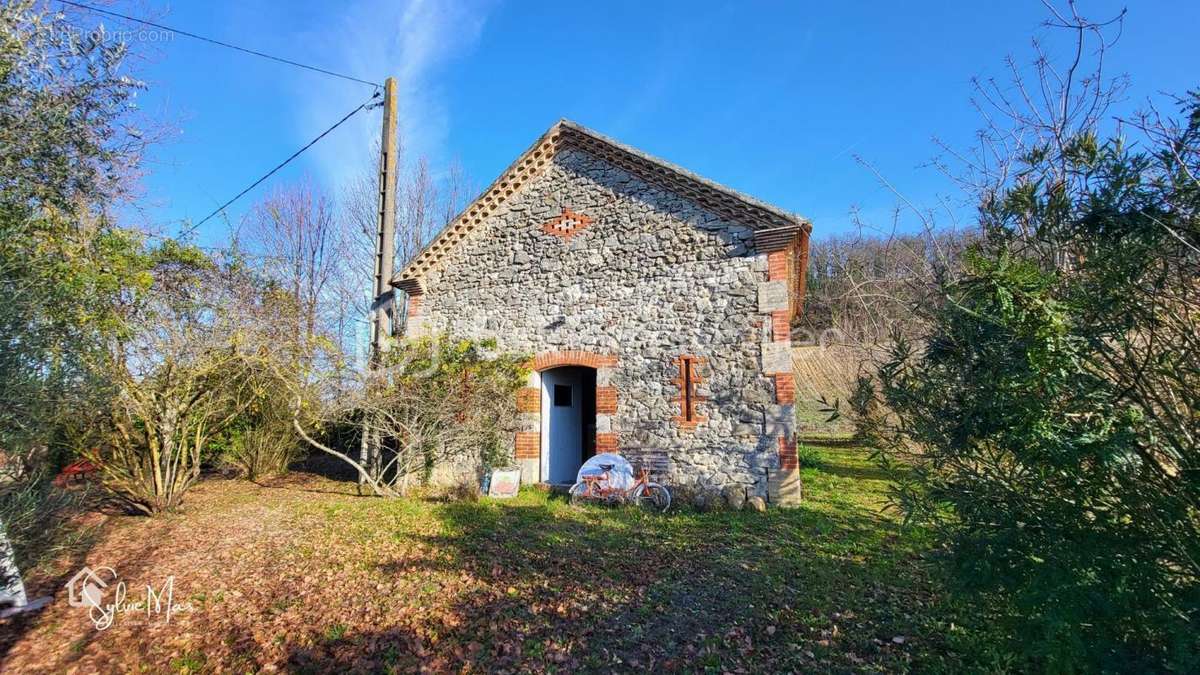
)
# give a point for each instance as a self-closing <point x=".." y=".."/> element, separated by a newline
<point x="385" y="245"/>
<point x="370" y="448"/>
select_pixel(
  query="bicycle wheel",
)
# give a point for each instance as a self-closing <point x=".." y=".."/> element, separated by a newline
<point x="653" y="497"/>
<point x="578" y="493"/>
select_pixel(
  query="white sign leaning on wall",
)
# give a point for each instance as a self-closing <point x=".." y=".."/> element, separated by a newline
<point x="504" y="483"/>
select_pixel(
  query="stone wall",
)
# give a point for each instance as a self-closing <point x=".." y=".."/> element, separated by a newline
<point x="591" y="258"/>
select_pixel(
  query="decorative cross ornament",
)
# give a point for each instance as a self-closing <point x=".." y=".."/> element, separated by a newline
<point x="567" y="225"/>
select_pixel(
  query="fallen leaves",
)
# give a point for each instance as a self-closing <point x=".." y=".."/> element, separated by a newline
<point x="302" y="577"/>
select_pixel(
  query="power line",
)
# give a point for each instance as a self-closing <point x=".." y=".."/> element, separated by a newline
<point x="284" y="163"/>
<point x="217" y="42"/>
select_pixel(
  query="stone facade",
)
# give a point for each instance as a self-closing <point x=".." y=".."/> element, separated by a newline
<point x="591" y="263"/>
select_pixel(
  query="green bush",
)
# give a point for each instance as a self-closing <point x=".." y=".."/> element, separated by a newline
<point x="262" y="451"/>
<point x="1048" y="418"/>
<point x="260" y="440"/>
<point x="435" y="405"/>
<point x="38" y="518"/>
<point x="810" y="457"/>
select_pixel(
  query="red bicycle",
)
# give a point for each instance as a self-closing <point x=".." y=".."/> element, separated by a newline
<point x="643" y="493"/>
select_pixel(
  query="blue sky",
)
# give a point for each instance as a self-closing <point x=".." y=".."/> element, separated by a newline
<point x="773" y="99"/>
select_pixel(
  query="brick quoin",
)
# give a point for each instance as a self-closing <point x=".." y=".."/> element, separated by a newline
<point x="528" y="445"/>
<point x="777" y="265"/>
<point x="606" y="400"/>
<point x="787" y="454"/>
<point x="414" y="305"/>
<point x="606" y="442"/>
<point x="529" y="400"/>
<point x="781" y="329"/>
<point x="547" y="360"/>
<point x="785" y="388"/>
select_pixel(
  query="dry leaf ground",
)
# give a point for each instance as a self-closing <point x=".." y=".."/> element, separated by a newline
<point x="304" y="576"/>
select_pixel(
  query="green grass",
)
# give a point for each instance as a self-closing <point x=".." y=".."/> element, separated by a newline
<point x="835" y="584"/>
<point x="812" y="419"/>
<point x="809" y="456"/>
<point x="314" y="579"/>
<point x="192" y="662"/>
<point x="335" y="632"/>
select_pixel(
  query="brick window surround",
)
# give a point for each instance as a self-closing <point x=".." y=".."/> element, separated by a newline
<point x="688" y="400"/>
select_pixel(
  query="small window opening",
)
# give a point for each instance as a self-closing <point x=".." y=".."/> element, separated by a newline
<point x="689" y="409"/>
<point x="687" y="373"/>
<point x="562" y="396"/>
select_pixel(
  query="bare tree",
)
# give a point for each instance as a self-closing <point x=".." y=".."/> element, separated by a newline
<point x="881" y="282"/>
<point x="1041" y="111"/>
<point x="295" y="230"/>
<point x="424" y="205"/>
<point x="863" y="287"/>
<point x="456" y="192"/>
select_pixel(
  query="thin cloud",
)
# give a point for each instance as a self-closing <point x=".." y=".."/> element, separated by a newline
<point x="411" y="41"/>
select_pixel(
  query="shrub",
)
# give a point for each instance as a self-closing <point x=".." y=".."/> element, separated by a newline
<point x="202" y="350"/>
<point x="1049" y="414"/>
<point x="36" y="517"/>
<point x="435" y="405"/>
<point x="261" y="441"/>
<point x="265" y="450"/>
<point x="809" y="457"/>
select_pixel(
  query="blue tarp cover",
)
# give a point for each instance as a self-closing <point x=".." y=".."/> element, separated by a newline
<point x="619" y="476"/>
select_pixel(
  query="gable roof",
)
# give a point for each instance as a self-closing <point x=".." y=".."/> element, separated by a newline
<point x="774" y="228"/>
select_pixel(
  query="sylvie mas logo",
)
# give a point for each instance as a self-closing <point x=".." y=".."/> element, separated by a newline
<point x="105" y="596"/>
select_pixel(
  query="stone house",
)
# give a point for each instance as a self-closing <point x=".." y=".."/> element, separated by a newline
<point x="656" y="304"/>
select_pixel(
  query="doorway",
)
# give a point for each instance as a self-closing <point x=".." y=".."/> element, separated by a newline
<point x="568" y="422"/>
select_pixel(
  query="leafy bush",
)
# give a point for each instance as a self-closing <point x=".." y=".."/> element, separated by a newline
<point x="265" y="450"/>
<point x="435" y="404"/>
<point x="69" y="139"/>
<point x="202" y="351"/>
<point x="260" y="441"/>
<point x="1049" y="415"/>
<point x="37" y="518"/>
<point x="809" y="457"/>
<point x="454" y="398"/>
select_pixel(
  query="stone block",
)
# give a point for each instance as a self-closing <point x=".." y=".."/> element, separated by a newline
<point x="415" y="326"/>
<point x="735" y="496"/>
<point x="773" y="296"/>
<point x="745" y="429"/>
<point x="783" y="487"/>
<point x="604" y="377"/>
<point x="780" y="420"/>
<point x="776" y="357"/>
<point x="530" y="421"/>
<point x="531" y="470"/>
